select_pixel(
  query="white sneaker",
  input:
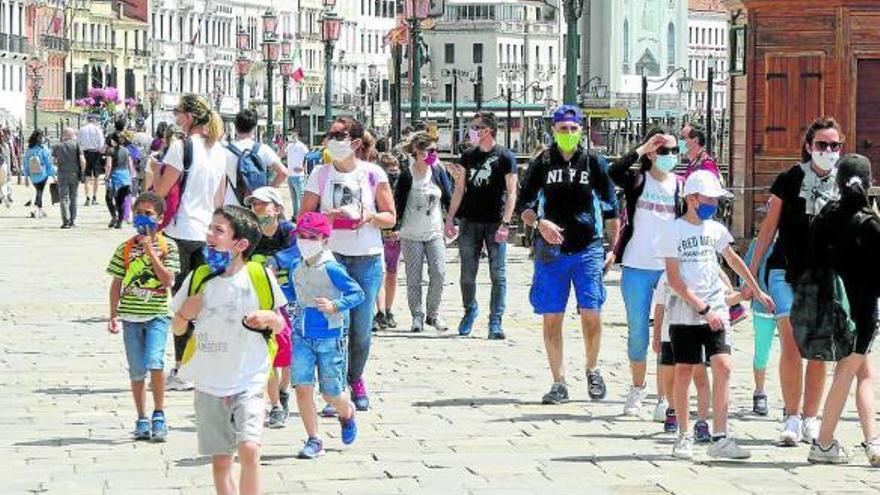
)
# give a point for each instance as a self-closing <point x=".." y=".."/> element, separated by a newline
<point x="174" y="382"/>
<point x="726" y="448"/>
<point x="791" y="432"/>
<point x="810" y="430"/>
<point x="872" y="451"/>
<point x="834" y="454"/>
<point x="660" y="411"/>
<point x="684" y="447"/>
<point x="634" y="401"/>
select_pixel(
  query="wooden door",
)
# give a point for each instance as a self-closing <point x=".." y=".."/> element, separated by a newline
<point x="868" y="113"/>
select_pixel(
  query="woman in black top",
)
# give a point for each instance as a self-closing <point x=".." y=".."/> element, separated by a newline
<point x="846" y="237"/>
<point x="796" y="196"/>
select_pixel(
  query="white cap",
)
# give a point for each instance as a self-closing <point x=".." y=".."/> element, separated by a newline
<point x="705" y="183"/>
<point x="266" y="194"/>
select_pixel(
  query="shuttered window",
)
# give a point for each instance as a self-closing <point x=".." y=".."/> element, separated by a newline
<point x="794" y="98"/>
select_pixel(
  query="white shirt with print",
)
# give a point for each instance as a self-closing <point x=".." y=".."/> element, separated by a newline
<point x="696" y="247"/>
<point x="266" y="154"/>
<point x="229" y="358"/>
<point x="350" y="191"/>
<point x="423" y="218"/>
<point x="655" y="211"/>
<point x="296" y="155"/>
<point x="206" y="174"/>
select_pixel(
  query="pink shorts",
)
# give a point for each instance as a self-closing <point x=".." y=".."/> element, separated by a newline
<point x="285" y="349"/>
<point x="392" y="254"/>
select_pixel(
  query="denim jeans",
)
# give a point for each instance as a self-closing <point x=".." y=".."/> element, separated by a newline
<point x="367" y="272"/>
<point x="145" y="346"/>
<point x="471" y="238"/>
<point x="296" y="192"/>
<point x="637" y="287"/>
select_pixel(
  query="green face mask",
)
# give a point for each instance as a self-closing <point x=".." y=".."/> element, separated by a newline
<point x="567" y="142"/>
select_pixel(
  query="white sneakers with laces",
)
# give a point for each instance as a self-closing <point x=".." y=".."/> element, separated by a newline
<point x="634" y="400"/>
<point x="810" y="429"/>
<point x="833" y="454"/>
<point x="872" y="451"/>
<point x="726" y="448"/>
<point x="660" y="411"/>
<point x="791" y="431"/>
<point x="684" y="447"/>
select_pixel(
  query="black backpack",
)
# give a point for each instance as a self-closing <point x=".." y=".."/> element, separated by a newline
<point x="820" y="312"/>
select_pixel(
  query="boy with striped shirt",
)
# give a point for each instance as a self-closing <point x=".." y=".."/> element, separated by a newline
<point x="143" y="269"/>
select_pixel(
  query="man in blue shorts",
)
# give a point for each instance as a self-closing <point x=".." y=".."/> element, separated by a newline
<point x="565" y="195"/>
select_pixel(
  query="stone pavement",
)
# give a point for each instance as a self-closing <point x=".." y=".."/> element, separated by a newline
<point x="449" y="415"/>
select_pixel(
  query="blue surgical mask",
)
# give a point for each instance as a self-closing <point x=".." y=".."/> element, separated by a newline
<point x="706" y="211"/>
<point x="144" y="224"/>
<point x="217" y="261"/>
<point x="666" y="163"/>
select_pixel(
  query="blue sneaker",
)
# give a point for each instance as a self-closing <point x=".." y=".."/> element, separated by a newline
<point x="328" y="411"/>
<point x="467" y="322"/>
<point x="349" y="429"/>
<point x="495" y="331"/>
<point x="160" y="429"/>
<point x="142" y="429"/>
<point x="701" y="432"/>
<point x="312" y="449"/>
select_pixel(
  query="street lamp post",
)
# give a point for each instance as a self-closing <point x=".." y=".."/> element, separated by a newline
<point x="286" y="74"/>
<point x="242" y="63"/>
<point x="416" y="11"/>
<point x="35" y="69"/>
<point x="573" y="10"/>
<point x="710" y="90"/>
<point x="373" y="75"/>
<point x="271" y="53"/>
<point x="685" y="83"/>
<point x="455" y="74"/>
<point x="331" y="24"/>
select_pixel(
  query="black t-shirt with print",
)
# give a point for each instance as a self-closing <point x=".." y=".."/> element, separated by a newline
<point x="790" y="252"/>
<point x="485" y="189"/>
<point x="281" y="240"/>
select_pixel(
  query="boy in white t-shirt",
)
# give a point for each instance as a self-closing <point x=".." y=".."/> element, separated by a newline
<point x="697" y="310"/>
<point x="229" y="352"/>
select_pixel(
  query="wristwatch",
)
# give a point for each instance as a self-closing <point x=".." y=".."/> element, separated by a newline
<point x="705" y="310"/>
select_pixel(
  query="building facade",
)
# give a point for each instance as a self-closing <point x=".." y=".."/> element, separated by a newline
<point x="707" y="48"/>
<point x="14" y="51"/>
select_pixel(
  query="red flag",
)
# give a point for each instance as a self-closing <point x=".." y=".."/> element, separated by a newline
<point x="298" y="74"/>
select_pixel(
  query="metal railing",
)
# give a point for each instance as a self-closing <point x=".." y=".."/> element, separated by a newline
<point x="55" y="43"/>
<point x="93" y="45"/>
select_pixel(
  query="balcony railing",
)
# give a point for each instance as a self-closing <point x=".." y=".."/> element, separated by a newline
<point x="13" y="43"/>
<point x="55" y="43"/>
<point x="93" y="45"/>
<point x="139" y="52"/>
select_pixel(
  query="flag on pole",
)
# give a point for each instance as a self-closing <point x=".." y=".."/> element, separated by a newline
<point x="196" y="36"/>
<point x="56" y="22"/>
<point x="298" y="73"/>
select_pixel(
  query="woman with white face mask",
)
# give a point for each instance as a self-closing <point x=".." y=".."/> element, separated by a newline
<point x="355" y="195"/>
<point x="798" y="195"/>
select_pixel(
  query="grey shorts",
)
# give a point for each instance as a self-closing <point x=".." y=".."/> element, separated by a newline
<point x="223" y="423"/>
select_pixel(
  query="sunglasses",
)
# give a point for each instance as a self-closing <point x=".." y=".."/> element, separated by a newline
<point x="478" y="127"/>
<point x="431" y="150"/>
<point x="825" y="145"/>
<point x="337" y="135"/>
<point x="674" y="150"/>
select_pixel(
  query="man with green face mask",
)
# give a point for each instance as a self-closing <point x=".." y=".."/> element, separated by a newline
<point x="566" y="196"/>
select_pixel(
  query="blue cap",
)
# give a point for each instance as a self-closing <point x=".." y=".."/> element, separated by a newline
<point x="568" y="113"/>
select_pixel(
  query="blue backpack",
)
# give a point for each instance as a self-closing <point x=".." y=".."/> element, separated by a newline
<point x="251" y="173"/>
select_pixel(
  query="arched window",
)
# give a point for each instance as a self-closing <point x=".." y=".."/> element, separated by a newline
<point x="626" y="46"/>
<point x="670" y="47"/>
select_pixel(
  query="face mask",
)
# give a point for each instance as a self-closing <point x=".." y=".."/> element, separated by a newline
<point x="474" y="136"/>
<point x="431" y="158"/>
<point x="567" y="142"/>
<point x="339" y="150"/>
<point x="825" y="160"/>
<point x="666" y="163"/>
<point x="265" y="220"/>
<point x="309" y="248"/>
<point x="706" y="211"/>
<point x="144" y="224"/>
<point x="217" y="261"/>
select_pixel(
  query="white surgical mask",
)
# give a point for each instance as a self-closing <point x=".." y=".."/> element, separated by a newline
<point x="474" y="136"/>
<point x="309" y="248"/>
<point x="825" y="160"/>
<point x="339" y="150"/>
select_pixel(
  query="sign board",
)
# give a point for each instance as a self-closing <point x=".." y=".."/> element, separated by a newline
<point x="617" y="113"/>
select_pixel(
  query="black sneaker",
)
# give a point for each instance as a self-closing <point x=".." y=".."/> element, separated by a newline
<point x="112" y="224"/>
<point x="390" y="322"/>
<point x="381" y="320"/>
<point x="377" y="322"/>
<point x="596" y="385"/>
<point x="759" y="404"/>
<point x="558" y="394"/>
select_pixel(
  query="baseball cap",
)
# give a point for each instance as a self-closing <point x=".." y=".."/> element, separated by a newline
<point x="314" y="223"/>
<point x="568" y="113"/>
<point x="705" y="183"/>
<point x="266" y="194"/>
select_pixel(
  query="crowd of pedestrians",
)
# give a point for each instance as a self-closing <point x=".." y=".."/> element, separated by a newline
<point x="259" y="298"/>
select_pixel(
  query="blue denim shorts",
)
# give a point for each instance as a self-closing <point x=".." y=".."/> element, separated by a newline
<point x="557" y="272"/>
<point x="145" y="346"/>
<point x="781" y="293"/>
<point x="325" y="355"/>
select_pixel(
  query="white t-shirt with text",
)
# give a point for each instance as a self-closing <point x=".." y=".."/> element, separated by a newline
<point x="296" y="155"/>
<point x="229" y="358"/>
<point x="696" y="247"/>
<point x="655" y="211"/>
<point x="266" y="154"/>
<point x="206" y="174"/>
<point x="352" y="193"/>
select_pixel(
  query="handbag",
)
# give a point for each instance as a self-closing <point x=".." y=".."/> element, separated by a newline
<point x="53" y="192"/>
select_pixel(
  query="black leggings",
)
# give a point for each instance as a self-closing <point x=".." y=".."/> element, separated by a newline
<point x="38" y="201"/>
<point x="191" y="257"/>
<point x="116" y="202"/>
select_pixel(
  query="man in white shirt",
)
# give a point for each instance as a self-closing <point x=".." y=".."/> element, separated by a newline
<point x="91" y="142"/>
<point x="296" y="155"/>
<point x="245" y="123"/>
